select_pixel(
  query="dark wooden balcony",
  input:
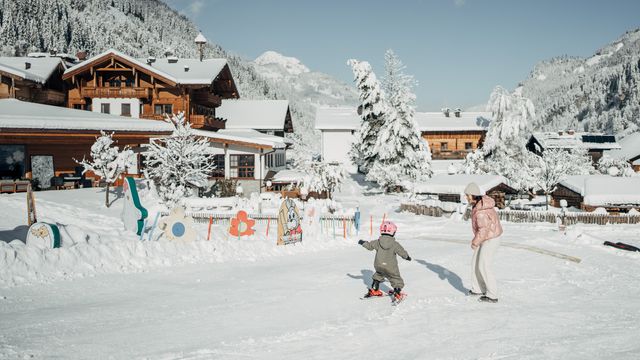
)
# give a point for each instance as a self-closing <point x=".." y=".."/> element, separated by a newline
<point x="449" y="154"/>
<point x="116" y="92"/>
<point x="206" y="98"/>
<point x="206" y="122"/>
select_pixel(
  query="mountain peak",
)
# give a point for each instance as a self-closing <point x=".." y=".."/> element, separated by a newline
<point x="292" y="65"/>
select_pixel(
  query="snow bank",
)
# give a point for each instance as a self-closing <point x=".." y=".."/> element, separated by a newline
<point x="94" y="241"/>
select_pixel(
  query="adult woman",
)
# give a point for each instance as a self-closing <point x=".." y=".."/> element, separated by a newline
<point x="486" y="239"/>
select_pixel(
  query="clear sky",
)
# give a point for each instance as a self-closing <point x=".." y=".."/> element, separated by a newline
<point x="458" y="50"/>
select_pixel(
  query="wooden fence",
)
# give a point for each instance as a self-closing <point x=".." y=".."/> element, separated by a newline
<point x="526" y="216"/>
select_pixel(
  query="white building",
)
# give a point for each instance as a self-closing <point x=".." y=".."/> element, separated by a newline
<point x="337" y="126"/>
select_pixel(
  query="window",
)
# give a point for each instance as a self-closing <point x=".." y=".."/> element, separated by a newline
<point x="12" y="165"/>
<point x="128" y="83"/>
<point x="78" y="106"/>
<point x="468" y="146"/>
<point x="160" y="109"/>
<point x="444" y="146"/>
<point x="218" y="160"/>
<point x="114" y="83"/>
<point x="242" y="166"/>
<point x="105" y="108"/>
<point x="125" y="109"/>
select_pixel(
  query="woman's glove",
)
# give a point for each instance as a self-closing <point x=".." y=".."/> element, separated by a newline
<point x="408" y="258"/>
<point x="360" y="242"/>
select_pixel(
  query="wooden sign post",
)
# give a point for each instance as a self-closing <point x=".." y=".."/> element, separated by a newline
<point x="31" y="207"/>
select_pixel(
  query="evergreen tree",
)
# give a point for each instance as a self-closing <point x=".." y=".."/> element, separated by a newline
<point x="179" y="163"/>
<point x="372" y="111"/>
<point x="402" y="153"/>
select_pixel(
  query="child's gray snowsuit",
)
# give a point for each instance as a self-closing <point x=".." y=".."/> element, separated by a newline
<point x="386" y="263"/>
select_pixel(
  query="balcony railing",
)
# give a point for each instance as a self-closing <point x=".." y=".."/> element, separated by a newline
<point x="449" y="154"/>
<point x="206" y="122"/>
<point x="116" y="92"/>
<point x="207" y="99"/>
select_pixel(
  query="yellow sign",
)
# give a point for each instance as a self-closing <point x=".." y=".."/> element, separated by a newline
<point x="289" y="224"/>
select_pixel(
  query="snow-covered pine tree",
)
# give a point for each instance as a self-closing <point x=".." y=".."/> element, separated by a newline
<point x="107" y="161"/>
<point x="402" y="153"/>
<point x="179" y="163"/>
<point x="372" y="111"/>
<point x="504" y="146"/>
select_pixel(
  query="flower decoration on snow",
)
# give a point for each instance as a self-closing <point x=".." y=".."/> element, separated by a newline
<point x="241" y="225"/>
<point x="178" y="226"/>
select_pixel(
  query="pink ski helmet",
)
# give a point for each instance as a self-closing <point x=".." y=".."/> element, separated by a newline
<point x="388" y="228"/>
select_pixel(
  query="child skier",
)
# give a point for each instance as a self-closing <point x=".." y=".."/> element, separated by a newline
<point x="385" y="263"/>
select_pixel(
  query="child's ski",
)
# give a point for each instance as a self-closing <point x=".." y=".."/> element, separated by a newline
<point x="396" y="301"/>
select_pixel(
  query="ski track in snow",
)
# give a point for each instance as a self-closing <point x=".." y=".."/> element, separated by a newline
<point x="246" y="300"/>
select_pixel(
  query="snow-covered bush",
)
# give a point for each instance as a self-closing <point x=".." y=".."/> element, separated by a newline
<point x="107" y="161"/>
<point x="179" y="163"/>
<point x="614" y="167"/>
<point x="323" y="176"/>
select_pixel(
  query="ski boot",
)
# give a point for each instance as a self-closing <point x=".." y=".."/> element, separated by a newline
<point x="398" y="295"/>
<point x="472" y="293"/>
<point x="374" y="291"/>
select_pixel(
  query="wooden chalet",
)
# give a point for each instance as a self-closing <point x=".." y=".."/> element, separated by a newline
<point x="629" y="150"/>
<point x="450" y="188"/>
<point x="118" y="84"/>
<point x="452" y="134"/>
<point x="596" y="144"/>
<point x="40" y="142"/>
<point x="589" y="192"/>
<point x="33" y="79"/>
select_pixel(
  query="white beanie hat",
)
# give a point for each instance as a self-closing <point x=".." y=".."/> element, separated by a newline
<point x="473" y="189"/>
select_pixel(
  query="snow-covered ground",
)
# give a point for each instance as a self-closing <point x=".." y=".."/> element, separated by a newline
<point x="113" y="296"/>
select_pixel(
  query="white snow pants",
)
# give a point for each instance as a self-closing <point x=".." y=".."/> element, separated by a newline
<point x="482" y="278"/>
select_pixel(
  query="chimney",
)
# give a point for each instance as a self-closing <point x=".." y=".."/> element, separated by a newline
<point x="81" y="55"/>
<point x="27" y="65"/>
<point x="571" y="132"/>
<point x="200" y="41"/>
<point x="561" y="133"/>
<point x="151" y="60"/>
<point x="457" y="112"/>
<point x="186" y="68"/>
<point x="446" y="111"/>
<point x="172" y="59"/>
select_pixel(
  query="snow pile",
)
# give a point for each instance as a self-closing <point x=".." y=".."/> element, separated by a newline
<point x="94" y="241"/>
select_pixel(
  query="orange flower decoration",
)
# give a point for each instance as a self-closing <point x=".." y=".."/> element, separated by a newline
<point x="241" y="225"/>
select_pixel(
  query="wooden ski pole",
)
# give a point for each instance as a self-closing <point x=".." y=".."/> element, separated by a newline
<point x="344" y="227"/>
<point x="268" y="223"/>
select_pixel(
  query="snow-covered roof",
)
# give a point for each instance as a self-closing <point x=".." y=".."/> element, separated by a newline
<point x="468" y="121"/>
<point x="337" y="118"/>
<point x="455" y="184"/>
<point x="576" y="182"/>
<point x="347" y="118"/>
<point x="16" y="114"/>
<point x="199" y="72"/>
<point x="40" y="70"/>
<point x="566" y="140"/>
<point x="288" y="176"/>
<point x="612" y="191"/>
<point x="247" y="136"/>
<point x="629" y="147"/>
<point x="254" y="114"/>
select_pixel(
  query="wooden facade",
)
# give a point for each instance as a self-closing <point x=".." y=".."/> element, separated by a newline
<point x="16" y="87"/>
<point x="64" y="147"/>
<point x="562" y="192"/>
<point x="449" y="145"/>
<point x="115" y="77"/>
